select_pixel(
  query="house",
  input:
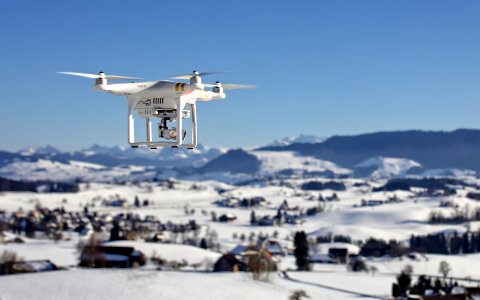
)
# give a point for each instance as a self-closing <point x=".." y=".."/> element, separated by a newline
<point x="321" y="259"/>
<point x="334" y="256"/>
<point x="234" y="202"/>
<point x="157" y="237"/>
<point x="293" y="219"/>
<point x="99" y="256"/>
<point x="256" y="260"/>
<point x="115" y="203"/>
<point x="340" y="255"/>
<point x="252" y="202"/>
<point x="272" y="246"/>
<point x="31" y="266"/>
<point x="265" y="221"/>
<point x="239" y="249"/>
<point x="335" y="253"/>
<point x="260" y="256"/>
<point x="372" y="202"/>
<point x="228" y="263"/>
<point x="231" y="202"/>
<point x="227" y="218"/>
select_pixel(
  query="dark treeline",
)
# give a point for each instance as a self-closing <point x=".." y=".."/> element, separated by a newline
<point x="441" y="243"/>
<point x="8" y="185"/>
<point x="458" y="217"/>
<point x="407" y="184"/>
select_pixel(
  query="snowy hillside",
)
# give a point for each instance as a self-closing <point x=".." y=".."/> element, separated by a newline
<point x="199" y="155"/>
<point x="46" y="150"/>
<point x="387" y="167"/>
<point x="182" y="201"/>
<point x="120" y="155"/>
<point x="141" y="284"/>
<point x="380" y="155"/>
<point x="276" y="162"/>
<point x="50" y="170"/>
<point x="300" y="139"/>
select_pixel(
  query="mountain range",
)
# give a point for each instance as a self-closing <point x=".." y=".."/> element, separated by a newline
<point x="459" y="149"/>
<point x="378" y="155"/>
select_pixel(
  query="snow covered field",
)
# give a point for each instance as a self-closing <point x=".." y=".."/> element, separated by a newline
<point x="393" y="220"/>
<point x="138" y="284"/>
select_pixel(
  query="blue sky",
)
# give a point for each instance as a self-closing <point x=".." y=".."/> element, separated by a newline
<point x="322" y="67"/>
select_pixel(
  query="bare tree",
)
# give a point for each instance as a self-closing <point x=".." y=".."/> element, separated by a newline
<point x="7" y="260"/>
<point x="91" y="253"/>
<point x="298" y="295"/>
<point x="260" y="265"/>
<point x="408" y="269"/>
<point x="444" y="268"/>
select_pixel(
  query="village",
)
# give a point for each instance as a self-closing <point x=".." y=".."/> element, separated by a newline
<point x="269" y="231"/>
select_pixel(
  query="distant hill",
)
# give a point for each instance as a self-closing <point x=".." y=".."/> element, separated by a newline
<point x="300" y="139"/>
<point x="432" y="149"/>
<point x="117" y="156"/>
<point x="98" y="163"/>
<point x="380" y="155"/>
<point x="234" y="161"/>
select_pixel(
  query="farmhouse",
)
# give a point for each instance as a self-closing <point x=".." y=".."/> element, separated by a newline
<point x="99" y="256"/>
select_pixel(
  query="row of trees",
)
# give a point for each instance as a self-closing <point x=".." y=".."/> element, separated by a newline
<point x="440" y="243"/>
<point x="468" y="242"/>
<point x="459" y="215"/>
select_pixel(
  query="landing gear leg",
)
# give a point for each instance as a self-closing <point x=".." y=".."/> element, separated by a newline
<point x="149" y="129"/>
<point x="179" y="124"/>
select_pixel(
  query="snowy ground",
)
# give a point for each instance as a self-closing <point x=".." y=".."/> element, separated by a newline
<point x="138" y="284"/>
<point x="388" y="221"/>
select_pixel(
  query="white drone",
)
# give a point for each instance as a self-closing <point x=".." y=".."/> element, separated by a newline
<point x="165" y="100"/>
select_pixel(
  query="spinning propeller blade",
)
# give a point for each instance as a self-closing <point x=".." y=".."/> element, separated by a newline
<point x="232" y="86"/>
<point x="95" y="76"/>
<point x="195" y="73"/>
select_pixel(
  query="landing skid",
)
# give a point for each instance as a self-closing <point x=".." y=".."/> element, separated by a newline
<point x="154" y="145"/>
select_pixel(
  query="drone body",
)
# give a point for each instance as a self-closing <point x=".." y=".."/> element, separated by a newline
<point x="165" y="100"/>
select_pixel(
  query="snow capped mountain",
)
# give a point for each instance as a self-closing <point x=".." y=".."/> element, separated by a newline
<point x="45" y="150"/>
<point x="241" y="165"/>
<point x="100" y="163"/>
<point x="387" y="167"/>
<point x="98" y="149"/>
<point x="300" y="139"/>
<point x="375" y="155"/>
<point x="197" y="157"/>
<point x="275" y="162"/>
<point x="55" y="171"/>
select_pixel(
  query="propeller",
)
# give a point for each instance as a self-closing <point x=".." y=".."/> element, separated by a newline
<point x="230" y="86"/>
<point x="195" y="74"/>
<point x="99" y="75"/>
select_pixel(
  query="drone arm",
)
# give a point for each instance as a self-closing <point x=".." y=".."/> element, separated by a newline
<point x="206" y="96"/>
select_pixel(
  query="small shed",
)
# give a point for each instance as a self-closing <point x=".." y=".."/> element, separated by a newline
<point x="111" y="257"/>
<point x="31" y="266"/>
<point x="228" y="263"/>
<point x="227" y="218"/>
<point x="340" y="255"/>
